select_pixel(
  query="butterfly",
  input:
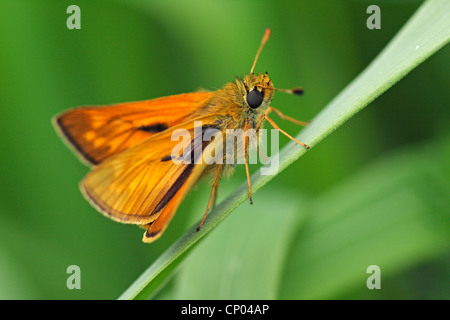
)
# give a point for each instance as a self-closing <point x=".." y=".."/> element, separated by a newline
<point x="130" y="146"/>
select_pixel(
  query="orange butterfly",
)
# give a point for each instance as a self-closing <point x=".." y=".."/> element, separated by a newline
<point x="134" y="178"/>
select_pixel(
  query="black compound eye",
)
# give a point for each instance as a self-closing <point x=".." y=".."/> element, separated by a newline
<point x="254" y="98"/>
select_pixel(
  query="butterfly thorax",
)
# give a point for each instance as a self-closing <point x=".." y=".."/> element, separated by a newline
<point x="235" y="104"/>
<point x="246" y="98"/>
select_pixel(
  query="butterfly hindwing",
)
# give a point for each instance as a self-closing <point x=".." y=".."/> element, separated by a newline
<point x="143" y="184"/>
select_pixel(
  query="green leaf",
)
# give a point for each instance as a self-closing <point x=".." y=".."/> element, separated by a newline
<point x="392" y="214"/>
<point x="231" y="264"/>
<point x="425" y="33"/>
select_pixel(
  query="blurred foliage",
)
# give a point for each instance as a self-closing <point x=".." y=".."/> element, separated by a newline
<point x="374" y="192"/>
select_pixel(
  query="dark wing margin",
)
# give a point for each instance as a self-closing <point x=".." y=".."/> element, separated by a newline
<point x="96" y="133"/>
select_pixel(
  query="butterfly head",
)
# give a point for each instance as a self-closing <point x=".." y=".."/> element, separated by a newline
<point x="257" y="91"/>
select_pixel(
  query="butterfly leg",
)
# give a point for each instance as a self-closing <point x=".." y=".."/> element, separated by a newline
<point x="215" y="195"/>
<point x="214" y="188"/>
<point x="284" y="132"/>
<point x="285" y="117"/>
<point x="247" y="126"/>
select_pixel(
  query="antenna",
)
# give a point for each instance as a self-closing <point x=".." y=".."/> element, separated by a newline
<point x="263" y="42"/>
<point x="297" y="91"/>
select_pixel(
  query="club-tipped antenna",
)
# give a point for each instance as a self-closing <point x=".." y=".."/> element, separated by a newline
<point x="295" y="91"/>
<point x="263" y="42"/>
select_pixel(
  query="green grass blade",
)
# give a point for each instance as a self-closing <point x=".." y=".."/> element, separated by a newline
<point x="425" y="33"/>
<point x="393" y="213"/>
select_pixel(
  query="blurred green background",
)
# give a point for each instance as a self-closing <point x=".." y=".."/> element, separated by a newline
<point x="375" y="192"/>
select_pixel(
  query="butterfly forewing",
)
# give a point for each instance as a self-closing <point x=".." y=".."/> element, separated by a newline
<point x="97" y="133"/>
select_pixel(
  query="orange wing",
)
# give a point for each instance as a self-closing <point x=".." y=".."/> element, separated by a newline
<point x="142" y="184"/>
<point x="156" y="228"/>
<point x="97" y="133"/>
